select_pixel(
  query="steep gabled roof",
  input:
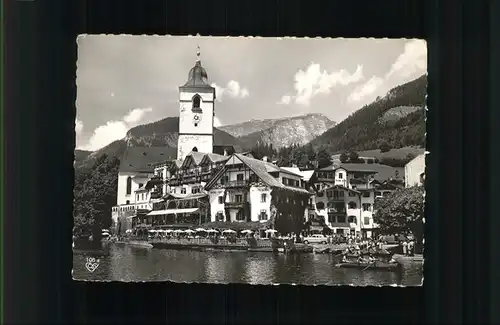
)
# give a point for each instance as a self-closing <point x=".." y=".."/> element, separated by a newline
<point x="193" y="156"/>
<point x="262" y="170"/>
<point x="213" y="158"/>
<point x="292" y="170"/>
<point x="351" y="167"/>
<point x="142" y="159"/>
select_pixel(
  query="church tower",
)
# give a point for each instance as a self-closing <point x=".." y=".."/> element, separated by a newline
<point x="197" y="111"/>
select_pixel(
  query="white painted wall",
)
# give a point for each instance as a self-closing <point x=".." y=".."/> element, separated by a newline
<point x="214" y="203"/>
<point x="341" y="177"/>
<point x="204" y="143"/>
<point x="137" y="178"/>
<point x="357" y="212"/>
<point x="413" y="169"/>
<point x="256" y="206"/>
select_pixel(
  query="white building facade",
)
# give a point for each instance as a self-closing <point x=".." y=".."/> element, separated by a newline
<point x="415" y="171"/>
<point x="196" y="115"/>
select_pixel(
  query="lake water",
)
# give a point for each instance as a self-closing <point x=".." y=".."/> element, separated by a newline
<point x="126" y="263"/>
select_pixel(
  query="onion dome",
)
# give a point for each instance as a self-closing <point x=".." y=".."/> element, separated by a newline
<point x="197" y="75"/>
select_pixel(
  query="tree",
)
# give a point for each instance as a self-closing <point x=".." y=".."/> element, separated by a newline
<point x="323" y="158"/>
<point x="353" y="156"/>
<point x="95" y="195"/>
<point x="311" y="154"/>
<point x="410" y="157"/>
<point x="401" y="212"/>
<point x="343" y="157"/>
<point x="384" y="147"/>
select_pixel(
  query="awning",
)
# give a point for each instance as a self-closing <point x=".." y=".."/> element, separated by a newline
<point x="172" y="211"/>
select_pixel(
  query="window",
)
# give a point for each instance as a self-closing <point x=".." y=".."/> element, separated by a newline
<point x="366" y="194"/>
<point x="221" y="200"/>
<point x="331" y="218"/>
<point x="239" y="177"/>
<point x="219" y="216"/>
<point x="341" y="175"/>
<point x="263" y="198"/>
<point x="352" y="219"/>
<point x="137" y="197"/>
<point x="183" y="190"/>
<point x="329" y="193"/>
<point x="367" y="221"/>
<point x="263" y="215"/>
<point x="320" y="205"/>
<point x="127" y="202"/>
<point x="194" y="148"/>
<point x="377" y="193"/>
<point x="283" y="180"/>
<point x="366" y="206"/>
<point x="341" y="193"/>
<point x="142" y="197"/>
<point x="320" y="194"/>
<point x="311" y="216"/>
<point x="352" y="194"/>
<point x="239" y="198"/>
<point x="340" y="219"/>
<point x="352" y="205"/>
<point x="129" y="185"/>
<point x="196" y="101"/>
<point x="240" y="215"/>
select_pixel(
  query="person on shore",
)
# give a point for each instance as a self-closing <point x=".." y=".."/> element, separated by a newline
<point x="411" y="246"/>
<point x="405" y="248"/>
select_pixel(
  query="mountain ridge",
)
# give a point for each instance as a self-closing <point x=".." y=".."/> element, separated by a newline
<point x="378" y="123"/>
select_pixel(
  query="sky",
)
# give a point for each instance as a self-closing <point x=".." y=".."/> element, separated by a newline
<point x="124" y="81"/>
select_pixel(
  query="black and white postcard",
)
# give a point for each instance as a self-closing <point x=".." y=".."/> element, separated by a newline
<point x="250" y="160"/>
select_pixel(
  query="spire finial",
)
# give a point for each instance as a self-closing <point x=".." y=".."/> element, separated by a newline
<point x="198" y="53"/>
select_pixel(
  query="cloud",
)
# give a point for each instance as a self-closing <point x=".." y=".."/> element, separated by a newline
<point x="78" y="126"/>
<point x="313" y="81"/>
<point x="115" y="130"/>
<point x="366" y="89"/>
<point x="285" y="100"/>
<point x="136" y="115"/>
<point x="232" y="89"/>
<point x="412" y="60"/>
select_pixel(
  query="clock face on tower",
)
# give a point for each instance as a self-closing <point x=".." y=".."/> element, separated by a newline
<point x="196" y="118"/>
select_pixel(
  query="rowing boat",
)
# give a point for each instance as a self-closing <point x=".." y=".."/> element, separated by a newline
<point x="370" y="266"/>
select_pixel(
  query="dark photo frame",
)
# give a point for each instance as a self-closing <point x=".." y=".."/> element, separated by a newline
<point x="38" y="151"/>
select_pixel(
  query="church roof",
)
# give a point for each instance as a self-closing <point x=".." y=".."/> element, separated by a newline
<point x="142" y="159"/>
<point x="198" y="77"/>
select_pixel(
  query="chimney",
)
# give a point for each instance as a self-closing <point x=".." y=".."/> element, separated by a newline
<point x="264" y="158"/>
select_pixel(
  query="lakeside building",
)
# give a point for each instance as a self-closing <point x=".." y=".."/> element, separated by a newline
<point x="252" y="190"/>
<point x="415" y="171"/>
<point x="345" y="195"/>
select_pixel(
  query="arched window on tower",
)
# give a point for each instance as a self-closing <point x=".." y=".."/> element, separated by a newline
<point x="195" y="149"/>
<point x="129" y="185"/>
<point x="196" y="102"/>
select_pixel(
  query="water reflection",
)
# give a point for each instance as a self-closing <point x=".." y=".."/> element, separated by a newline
<point x="126" y="263"/>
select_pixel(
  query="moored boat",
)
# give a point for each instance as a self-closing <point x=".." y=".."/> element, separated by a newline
<point x="140" y="244"/>
<point x="370" y="265"/>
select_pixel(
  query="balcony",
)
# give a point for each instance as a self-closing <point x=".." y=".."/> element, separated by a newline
<point x="232" y="184"/>
<point x="236" y="205"/>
